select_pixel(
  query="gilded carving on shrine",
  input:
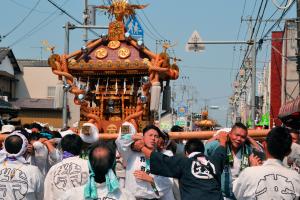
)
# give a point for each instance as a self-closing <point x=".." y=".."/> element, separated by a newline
<point x="101" y="53"/>
<point x="116" y="31"/>
<point x="114" y="44"/>
<point x="124" y="52"/>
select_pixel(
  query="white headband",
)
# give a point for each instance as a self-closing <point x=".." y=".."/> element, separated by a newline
<point x="19" y="156"/>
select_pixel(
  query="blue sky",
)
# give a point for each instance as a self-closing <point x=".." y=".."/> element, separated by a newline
<point x="210" y="72"/>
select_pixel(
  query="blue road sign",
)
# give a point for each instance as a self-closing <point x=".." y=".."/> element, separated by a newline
<point x="182" y="110"/>
<point x="134" y="28"/>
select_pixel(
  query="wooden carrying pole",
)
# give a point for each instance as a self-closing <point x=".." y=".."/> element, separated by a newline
<point x="203" y="135"/>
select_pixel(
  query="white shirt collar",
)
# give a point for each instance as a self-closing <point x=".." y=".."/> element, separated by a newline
<point x="273" y="161"/>
<point x="193" y="154"/>
<point x="101" y="185"/>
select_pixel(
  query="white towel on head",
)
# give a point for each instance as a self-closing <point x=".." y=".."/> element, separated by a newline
<point x="89" y="133"/>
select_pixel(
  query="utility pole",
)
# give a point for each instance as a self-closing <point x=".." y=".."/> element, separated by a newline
<point x="65" y="91"/>
<point x="253" y="85"/>
<point x="253" y="75"/>
<point x="298" y="41"/>
<point x="85" y="21"/>
<point x="173" y="99"/>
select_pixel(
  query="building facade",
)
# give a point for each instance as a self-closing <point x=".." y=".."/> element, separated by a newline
<point x="39" y="95"/>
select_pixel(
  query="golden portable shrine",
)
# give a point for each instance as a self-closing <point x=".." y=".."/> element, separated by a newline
<point x="116" y="78"/>
<point x="205" y="123"/>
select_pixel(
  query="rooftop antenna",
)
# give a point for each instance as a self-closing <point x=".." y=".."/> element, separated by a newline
<point x="47" y="46"/>
<point x="41" y="51"/>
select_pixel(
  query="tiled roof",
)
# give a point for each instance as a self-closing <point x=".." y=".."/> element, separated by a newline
<point x="47" y="104"/>
<point x="33" y="63"/>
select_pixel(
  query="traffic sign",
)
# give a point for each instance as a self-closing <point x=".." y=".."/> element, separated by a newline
<point x="182" y="110"/>
<point x="194" y="43"/>
<point x="134" y="28"/>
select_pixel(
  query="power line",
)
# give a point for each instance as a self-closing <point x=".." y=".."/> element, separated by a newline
<point x="69" y="15"/>
<point x="254" y="8"/>
<point x="268" y="20"/>
<point x="251" y="37"/>
<point x="206" y="68"/>
<point x="36" y="28"/>
<point x="155" y="30"/>
<point x="23" y="20"/>
<point x="256" y="20"/>
<point x="28" y="8"/>
<point x="44" y="22"/>
<point x="153" y="36"/>
<point x="278" y="20"/>
<point x="65" y="12"/>
<point x="237" y="38"/>
<point x="153" y="27"/>
<point x="260" y="19"/>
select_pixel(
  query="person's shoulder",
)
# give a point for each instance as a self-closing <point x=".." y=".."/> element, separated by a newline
<point x="73" y="194"/>
<point x="292" y="173"/>
<point x="249" y="148"/>
<point x="211" y="147"/>
<point x="76" y="159"/>
<point x="252" y="171"/>
<point x="58" y="164"/>
<point x="32" y="171"/>
<point x="295" y="147"/>
<point x="125" y="194"/>
<point x="168" y="153"/>
<point x="212" y="144"/>
<point x="31" y="167"/>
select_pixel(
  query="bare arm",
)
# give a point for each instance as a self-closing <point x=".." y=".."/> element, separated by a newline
<point x="49" y="145"/>
<point x="140" y="147"/>
<point x="253" y="143"/>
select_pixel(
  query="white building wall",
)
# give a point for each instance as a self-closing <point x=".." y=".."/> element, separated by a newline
<point x="290" y="77"/>
<point x="34" y="83"/>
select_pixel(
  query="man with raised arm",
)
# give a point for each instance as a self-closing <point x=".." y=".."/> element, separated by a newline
<point x="199" y="176"/>
<point x="139" y="180"/>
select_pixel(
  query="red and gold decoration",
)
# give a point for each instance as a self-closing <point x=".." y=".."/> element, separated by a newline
<point x="114" y="44"/>
<point x="101" y="53"/>
<point x="111" y="77"/>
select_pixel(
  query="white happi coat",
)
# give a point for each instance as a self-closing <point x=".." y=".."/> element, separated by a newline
<point x="293" y="159"/>
<point x="20" y="181"/>
<point x="54" y="157"/>
<point x="137" y="161"/>
<point x="78" y="194"/>
<point x="169" y="195"/>
<point x="69" y="173"/>
<point x="270" y="181"/>
<point x="40" y="157"/>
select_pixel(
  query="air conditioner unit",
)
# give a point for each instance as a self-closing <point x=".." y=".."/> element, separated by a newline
<point x="5" y="98"/>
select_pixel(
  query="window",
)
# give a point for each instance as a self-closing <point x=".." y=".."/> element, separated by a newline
<point x="51" y="91"/>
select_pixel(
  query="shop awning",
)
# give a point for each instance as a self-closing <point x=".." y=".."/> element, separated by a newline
<point x="289" y="113"/>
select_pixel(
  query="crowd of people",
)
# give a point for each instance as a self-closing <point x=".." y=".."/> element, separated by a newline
<point x="37" y="163"/>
